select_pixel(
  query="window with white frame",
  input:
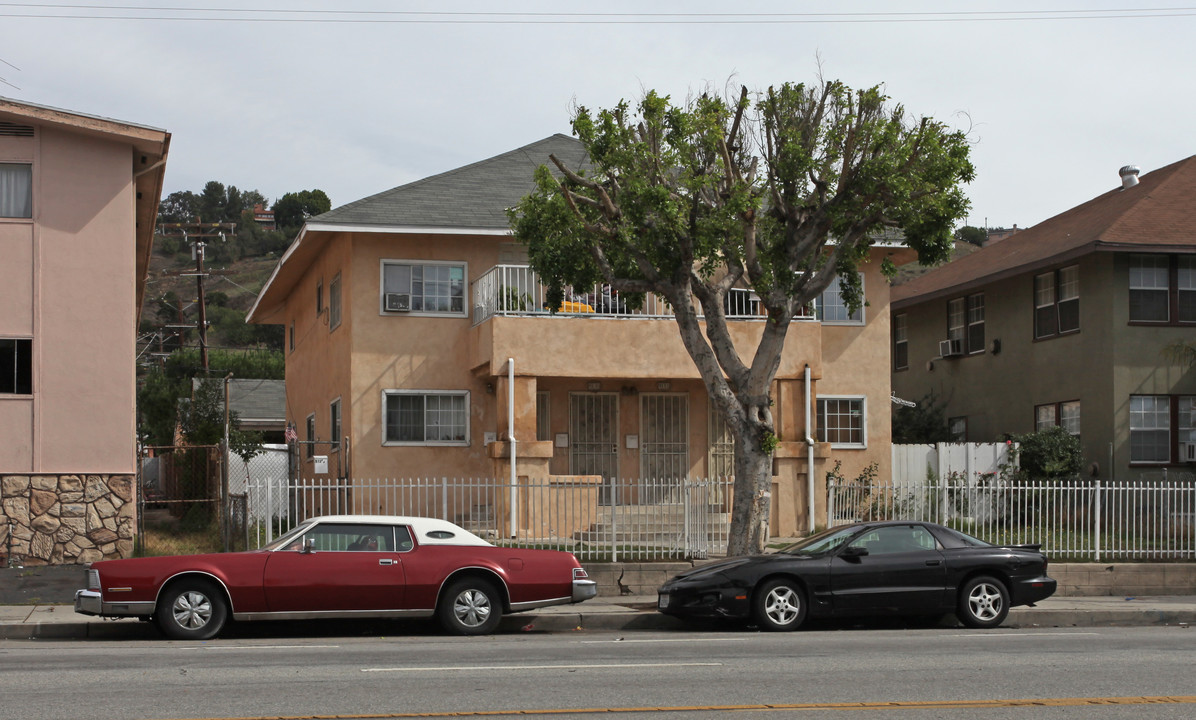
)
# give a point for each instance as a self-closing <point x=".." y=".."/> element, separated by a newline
<point x="831" y="308"/>
<point x="334" y="302"/>
<point x="16" y="190"/>
<point x="16" y="366"/>
<point x="1150" y="288"/>
<point x="841" y="421"/>
<point x="1185" y="289"/>
<point x="901" y="342"/>
<point x="423" y="288"/>
<point x="1057" y="302"/>
<point x="1187" y="427"/>
<point x="425" y="417"/>
<point x="957" y="427"/>
<point x="1150" y="428"/>
<point x="965" y="324"/>
<point x="334" y="424"/>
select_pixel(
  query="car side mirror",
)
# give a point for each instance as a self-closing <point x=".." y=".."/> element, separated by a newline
<point x="854" y="551"/>
<point x="309" y="546"/>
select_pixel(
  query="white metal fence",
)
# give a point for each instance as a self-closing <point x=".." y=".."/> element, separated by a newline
<point x="664" y="519"/>
<point x="517" y="290"/>
<point x="1143" y="519"/>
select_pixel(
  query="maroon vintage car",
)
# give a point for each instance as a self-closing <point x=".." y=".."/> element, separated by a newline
<point x="349" y="566"/>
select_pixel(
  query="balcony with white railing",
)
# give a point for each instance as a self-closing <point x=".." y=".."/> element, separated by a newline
<point x="516" y="290"/>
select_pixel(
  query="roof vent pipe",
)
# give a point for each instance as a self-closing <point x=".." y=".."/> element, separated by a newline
<point x="1129" y="176"/>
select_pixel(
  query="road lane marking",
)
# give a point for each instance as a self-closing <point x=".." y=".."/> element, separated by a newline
<point x="258" y="647"/>
<point x="542" y="667"/>
<point x="761" y="707"/>
<point x="654" y="642"/>
<point x="1025" y="634"/>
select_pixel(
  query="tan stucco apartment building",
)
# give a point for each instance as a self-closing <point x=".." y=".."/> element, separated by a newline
<point x="408" y="312"/>
<point x="78" y="200"/>
<point x="1066" y="323"/>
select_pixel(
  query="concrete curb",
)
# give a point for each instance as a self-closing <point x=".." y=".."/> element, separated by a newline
<point x="608" y="618"/>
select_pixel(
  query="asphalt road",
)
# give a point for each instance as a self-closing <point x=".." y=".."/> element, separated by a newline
<point x="910" y="674"/>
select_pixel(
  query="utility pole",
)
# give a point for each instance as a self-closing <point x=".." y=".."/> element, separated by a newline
<point x="196" y="232"/>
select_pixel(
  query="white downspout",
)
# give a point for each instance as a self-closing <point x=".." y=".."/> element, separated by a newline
<point x="511" y="436"/>
<point x="809" y="454"/>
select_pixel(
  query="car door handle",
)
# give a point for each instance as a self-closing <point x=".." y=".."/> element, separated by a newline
<point x="934" y="562"/>
<point x="386" y="561"/>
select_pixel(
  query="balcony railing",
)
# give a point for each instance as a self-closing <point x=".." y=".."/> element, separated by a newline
<point x="516" y="290"/>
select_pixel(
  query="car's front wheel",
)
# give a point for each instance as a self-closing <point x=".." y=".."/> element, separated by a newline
<point x="470" y="607"/>
<point x="191" y="610"/>
<point x="983" y="602"/>
<point x="780" y="605"/>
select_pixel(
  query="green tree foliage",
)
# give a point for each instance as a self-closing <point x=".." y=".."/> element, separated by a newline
<point x="202" y="418"/>
<point x="923" y="423"/>
<point x="162" y="388"/>
<point x="178" y="207"/>
<point x="689" y="200"/>
<point x="1049" y="454"/>
<point x="974" y="235"/>
<point x="293" y="209"/>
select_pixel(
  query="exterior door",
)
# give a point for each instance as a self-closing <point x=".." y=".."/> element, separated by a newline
<point x="353" y="567"/>
<point x="902" y="572"/>
<point x="594" y="438"/>
<point x="664" y="445"/>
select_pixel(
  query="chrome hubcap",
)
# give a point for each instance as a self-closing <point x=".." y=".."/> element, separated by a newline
<point x="782" y="605"/>
<point x="192" y="610"/>
<point x="985" y="602"/>
<point x="472" y="608"/>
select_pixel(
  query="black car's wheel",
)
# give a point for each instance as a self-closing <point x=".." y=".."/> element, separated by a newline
<point x="983" y="602"/>
<point x="470" y="607"/>
<point x="191" y="610"/>
<point x="779" y="605"/>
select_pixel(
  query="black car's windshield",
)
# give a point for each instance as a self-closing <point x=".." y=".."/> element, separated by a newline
<point x="824" y="542"/>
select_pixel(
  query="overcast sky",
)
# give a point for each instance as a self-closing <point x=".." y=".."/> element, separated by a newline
<point x="1055" y="98"/>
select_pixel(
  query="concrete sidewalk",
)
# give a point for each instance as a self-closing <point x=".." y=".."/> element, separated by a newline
<point x="630" y="613"/>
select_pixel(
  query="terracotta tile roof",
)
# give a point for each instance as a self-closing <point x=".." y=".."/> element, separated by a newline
<point x="1158" y="214"/>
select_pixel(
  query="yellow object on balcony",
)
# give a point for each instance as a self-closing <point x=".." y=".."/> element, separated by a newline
<point x="575" y="307"/>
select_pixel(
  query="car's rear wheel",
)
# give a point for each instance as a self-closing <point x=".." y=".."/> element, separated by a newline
<point x="191" y="610"/>
<point x="780" y="605"/>
<point x="470" y="607"/>
<point x="983" y="602"/>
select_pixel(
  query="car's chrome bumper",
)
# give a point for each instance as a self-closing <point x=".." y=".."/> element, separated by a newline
<point x="91" y="602"/>
<point x="584" y="590"/>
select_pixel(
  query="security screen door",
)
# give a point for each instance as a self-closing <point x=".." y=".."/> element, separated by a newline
<point x="594" y="438"/>
<point x="664" y="443"/>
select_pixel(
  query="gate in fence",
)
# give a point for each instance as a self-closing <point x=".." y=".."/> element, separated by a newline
<point x="630" y="519"/>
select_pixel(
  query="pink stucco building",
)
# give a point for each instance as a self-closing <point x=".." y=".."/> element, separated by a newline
<point x="78" y="200"/>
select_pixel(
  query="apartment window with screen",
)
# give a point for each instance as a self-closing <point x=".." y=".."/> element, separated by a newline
<point x="1150" y="288"/>
<point x="1063" y="414"/>
<point x="424" y="288"/>
<point x="1150" y="428"/>
<point x="1057" y="302"/>
<point x="965" y="324"/>
<point x="420" y="417"/>
<point x="841" y="421"/>
<point x="1185" y="288"/>
<point x="334" y="424"/>
<point x="16" y="190"/>
<point x="543" y="408"/>
<point x="334" y="303"/>
<point x="311" y="436"/>
<point x="957" y="427"/>
<point x="16" y="366"/>
<point x="831" y="308"/>
<point x="900" y="342"/>
<point x="1187" y="428"/>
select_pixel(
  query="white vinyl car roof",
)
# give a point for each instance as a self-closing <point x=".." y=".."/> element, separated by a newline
<point x="427" y="531"/>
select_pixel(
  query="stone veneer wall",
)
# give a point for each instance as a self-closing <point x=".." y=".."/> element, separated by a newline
<point x="65" y="519"/>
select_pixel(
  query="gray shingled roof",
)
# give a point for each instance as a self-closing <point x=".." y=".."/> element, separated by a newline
<point x="254" y="399"/>
<point x="472" y="197"/>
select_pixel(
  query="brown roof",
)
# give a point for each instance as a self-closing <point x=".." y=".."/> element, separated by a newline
<point x="1159" y="214"/>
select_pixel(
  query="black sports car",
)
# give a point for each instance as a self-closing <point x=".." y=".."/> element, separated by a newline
<point x="877" y="568"/>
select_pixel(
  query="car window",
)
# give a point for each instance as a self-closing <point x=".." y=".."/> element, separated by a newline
<point x="955" y="538"/>
<point x="330" y="537"/>
<point x="403" y="536"/>
<point x="892" y="539"/>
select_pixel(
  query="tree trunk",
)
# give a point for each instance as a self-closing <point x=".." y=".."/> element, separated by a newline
<point x="753" y="495"/>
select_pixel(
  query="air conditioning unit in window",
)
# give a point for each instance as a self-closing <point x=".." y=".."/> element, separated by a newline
<point x="398" y="302"/>
<point x="1187" y="452"/>
<point x="950" y="348"/>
